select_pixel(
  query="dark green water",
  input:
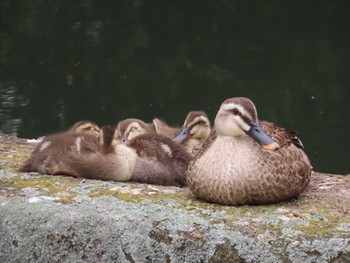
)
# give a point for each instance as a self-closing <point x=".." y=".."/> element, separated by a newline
<point x="63" y="61"/>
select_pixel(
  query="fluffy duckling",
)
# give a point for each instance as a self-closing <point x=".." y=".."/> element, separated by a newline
<point x="116" y="166"/>
<point x="161" y="160"/>
<point x="147" y="158"/>
<point x="195" y="130"/>
<point x="86" y="127"/>
<point x="131" y="128"/>
<point x="47" y="154"/>
<point x="244" y="165"/>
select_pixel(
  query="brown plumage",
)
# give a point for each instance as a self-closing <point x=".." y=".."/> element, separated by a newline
<point x="234" y="169"/>
<point x="109" y="138"/>
<point x="46" y="157"/>
<point x="86" y="127"/>
<point x="161" y="161"/>
<point x="147" y="158"/>
<point x="130" y="128"/>
<point x="116" y="166"/>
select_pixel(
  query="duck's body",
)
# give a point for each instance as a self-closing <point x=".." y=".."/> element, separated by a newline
<point x="233" y="169"/>
<point x="46" y="156"/>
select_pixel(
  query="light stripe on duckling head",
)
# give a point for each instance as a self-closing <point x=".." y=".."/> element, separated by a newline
<point x="88" y="127"/>
<point x="131" y="128"/>
<point x="196" y="125"/>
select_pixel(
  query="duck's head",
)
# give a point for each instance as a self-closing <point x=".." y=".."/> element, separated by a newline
<point x="237" y="117"/>
<point x="196" y="125"/>
<point x="131" y="128"/>
<point x="88" y="127"/>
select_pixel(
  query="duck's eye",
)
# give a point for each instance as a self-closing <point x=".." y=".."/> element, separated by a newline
<point x="235" y="111"/>
<point x="200" y="122"/>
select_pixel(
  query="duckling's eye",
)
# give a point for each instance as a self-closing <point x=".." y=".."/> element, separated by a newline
<point x="200" y="122"/>
<point x="235" y="111"/>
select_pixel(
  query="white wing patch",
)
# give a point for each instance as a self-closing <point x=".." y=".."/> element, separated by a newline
<point x="78" y="144"/>
<point x="44" y="146"/>
<point x="167" y="149"/>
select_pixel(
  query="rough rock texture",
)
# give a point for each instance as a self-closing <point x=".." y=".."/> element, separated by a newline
<point x="63" y="219"/>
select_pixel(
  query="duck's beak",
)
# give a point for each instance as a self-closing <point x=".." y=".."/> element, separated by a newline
<point x="123" y="140"/>
<point x="183" y="134"/>
<point x="258" y="134"/>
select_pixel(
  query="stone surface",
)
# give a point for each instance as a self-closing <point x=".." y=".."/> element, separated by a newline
<point x="63" y="219"/>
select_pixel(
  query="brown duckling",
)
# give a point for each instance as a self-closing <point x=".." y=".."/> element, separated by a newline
<point x="246" y="165"/>
<point x="161" y="160"/>
<point x="195" y="130"/>
<point x="86" y="127"/>
<point x="147" y="158"/>
<point x="47" y="154"/>
<point x="116" y="166"/>
<point x="130" y="128"/>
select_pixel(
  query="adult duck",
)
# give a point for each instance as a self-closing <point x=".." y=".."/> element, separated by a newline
<point x="245" y="164"/>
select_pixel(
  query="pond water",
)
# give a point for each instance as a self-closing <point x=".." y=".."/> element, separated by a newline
<point x="64" y="61"/>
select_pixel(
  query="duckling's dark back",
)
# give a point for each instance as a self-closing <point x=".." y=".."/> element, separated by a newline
<point x="170" y="156"/>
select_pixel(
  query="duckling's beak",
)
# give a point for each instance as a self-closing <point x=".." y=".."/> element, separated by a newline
<point x="183" y="134"/>
<point x="123" y="140"/>
<point x="258" y="134"/>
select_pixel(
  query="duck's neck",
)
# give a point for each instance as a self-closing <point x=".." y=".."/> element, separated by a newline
<point x="240" y="143"/>
<point x="235" y="139"/>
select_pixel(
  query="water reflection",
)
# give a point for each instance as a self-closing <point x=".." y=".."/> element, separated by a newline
<point x="63" y="62"/>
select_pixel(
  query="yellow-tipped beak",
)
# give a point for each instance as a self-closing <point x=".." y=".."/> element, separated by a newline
<point x="272" y="147"/>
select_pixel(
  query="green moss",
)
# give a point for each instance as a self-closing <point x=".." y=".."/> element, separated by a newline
<point x="117" y="194"/>
<point x="318" y="227"/>
<point x="48" y="185"/>
<point x="13" y="156"/>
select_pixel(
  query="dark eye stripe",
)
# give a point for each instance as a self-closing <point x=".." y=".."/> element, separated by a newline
<point x="246" y="119"/>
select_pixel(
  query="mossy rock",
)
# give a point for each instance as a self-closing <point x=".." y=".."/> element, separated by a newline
<point x="64" y="219"/>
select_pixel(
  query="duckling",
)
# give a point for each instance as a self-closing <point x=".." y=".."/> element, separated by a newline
<point x="116" y="166"/>
<point x="47" y="154"/>
<point x="161" y="160"/>
<point x="195" y="130"/>
<point x="147" y="158"/>
<point x="130" y="128"/>
<point x="243" y="165"/>
<point x="87" y="127"/>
